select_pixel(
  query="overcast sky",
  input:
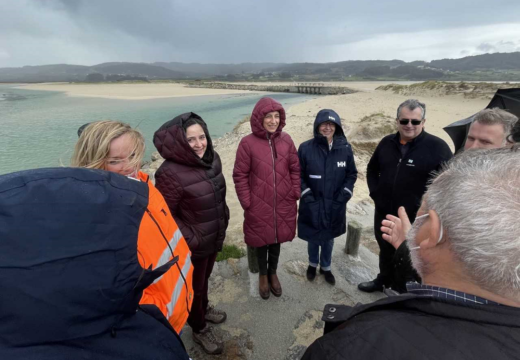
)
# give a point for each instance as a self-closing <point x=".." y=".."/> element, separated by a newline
<point x="88" y="32"/>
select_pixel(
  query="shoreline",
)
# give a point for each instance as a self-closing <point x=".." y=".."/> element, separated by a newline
<point x="130" y="91"/>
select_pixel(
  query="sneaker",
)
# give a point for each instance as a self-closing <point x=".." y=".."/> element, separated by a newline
<point x="329" y="277"/>
<point x="215" y="316"/>
<point x="311" y="273"/>
<point x="209" y="341"/>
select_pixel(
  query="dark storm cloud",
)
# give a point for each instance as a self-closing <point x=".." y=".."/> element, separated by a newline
<point x="89" y="31"/>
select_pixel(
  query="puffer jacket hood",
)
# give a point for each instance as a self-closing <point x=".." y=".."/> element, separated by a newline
<point x="70" y="275"/>
<point x="328" y="115"/>
<point x="261" y="109"/>
<point x="171" y="142"/>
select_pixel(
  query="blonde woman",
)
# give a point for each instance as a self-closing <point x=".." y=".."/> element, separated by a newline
<point x="116" y="147"/>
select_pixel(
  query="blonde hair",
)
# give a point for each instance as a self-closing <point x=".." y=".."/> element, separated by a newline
<point x="93" y="146"/>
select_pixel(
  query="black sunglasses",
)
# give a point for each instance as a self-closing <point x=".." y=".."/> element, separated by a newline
<point x="406" y="121"/>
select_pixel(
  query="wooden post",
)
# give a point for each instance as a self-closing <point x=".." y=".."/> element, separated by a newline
<point x="353" y="238"/>
<point x="252" y="260"/>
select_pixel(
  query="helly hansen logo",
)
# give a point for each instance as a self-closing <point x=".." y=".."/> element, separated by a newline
<point x="332" y="118"/>
<point x="342" y="163"/>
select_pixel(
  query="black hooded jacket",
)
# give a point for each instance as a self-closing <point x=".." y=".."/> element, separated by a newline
<point x="70" y="278"/>
<point x="394" y="180"/>
<point x="194" y="188"/>
<point x="327" y="184"/>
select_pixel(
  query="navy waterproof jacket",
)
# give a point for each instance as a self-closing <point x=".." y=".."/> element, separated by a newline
<point x="327" y="184"/>
<point x="70" y="279"/>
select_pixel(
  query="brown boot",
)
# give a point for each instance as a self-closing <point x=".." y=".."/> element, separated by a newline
<point x="263" y="287"/>
<point x="215" y="316"/>
<point x="210" y="342"/>
<point x="276" y="287"/>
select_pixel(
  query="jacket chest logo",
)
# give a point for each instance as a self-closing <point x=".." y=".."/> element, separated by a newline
<point x="410" y="163"/>
<point x="342" y="163"/>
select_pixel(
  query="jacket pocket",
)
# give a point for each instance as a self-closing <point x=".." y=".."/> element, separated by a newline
<point x="339" y="214"/>
<point x="310" y="212"/>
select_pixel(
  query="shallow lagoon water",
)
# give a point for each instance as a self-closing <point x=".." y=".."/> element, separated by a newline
<point x="39" y="128"/>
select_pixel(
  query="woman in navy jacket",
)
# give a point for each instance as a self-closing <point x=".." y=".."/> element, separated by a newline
<point x="328" y="174"/>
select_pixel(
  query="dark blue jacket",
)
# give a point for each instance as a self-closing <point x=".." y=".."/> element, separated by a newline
<point x="327" y="183"/>
<point x="70" y="278"/>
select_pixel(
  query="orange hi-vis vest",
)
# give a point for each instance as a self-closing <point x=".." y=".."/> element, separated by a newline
<point x="159" y="236"/>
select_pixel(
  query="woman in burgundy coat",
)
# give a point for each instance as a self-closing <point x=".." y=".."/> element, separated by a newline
<point x="267" y="182"/>
<point x="194" y="188"/>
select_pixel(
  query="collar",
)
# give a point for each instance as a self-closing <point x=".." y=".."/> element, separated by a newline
<point x="445" y="293"/>
<point x="417" y="139"/>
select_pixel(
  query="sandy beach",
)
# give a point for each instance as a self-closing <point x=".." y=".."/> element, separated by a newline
<point x="128" y="91"/>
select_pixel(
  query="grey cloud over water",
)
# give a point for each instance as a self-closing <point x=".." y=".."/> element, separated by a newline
<point x="91" y="31"/>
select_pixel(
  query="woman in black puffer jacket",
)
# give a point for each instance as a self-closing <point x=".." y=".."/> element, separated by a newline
<point x="192" y="183"/>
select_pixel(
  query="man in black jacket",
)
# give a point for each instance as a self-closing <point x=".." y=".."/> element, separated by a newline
<point x="328" y="174"/>
<point x="465" y="245"/>
<point x="397" y="175"/>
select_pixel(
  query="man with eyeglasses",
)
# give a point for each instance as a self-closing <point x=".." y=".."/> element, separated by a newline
<point x="466" y="248"/>
<point x="397" y="175"/>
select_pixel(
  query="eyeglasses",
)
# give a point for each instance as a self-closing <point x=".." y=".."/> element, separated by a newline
<point x="406" y="121"/>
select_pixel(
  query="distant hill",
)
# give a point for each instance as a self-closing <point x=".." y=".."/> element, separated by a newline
<point x="208" y="70"/>
<point x="487" y="67"/>
<point x="498" y="61"/>
<point x="127" y="68"/>
<point x="75" y="73"/>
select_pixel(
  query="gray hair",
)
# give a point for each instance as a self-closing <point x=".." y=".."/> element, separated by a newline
<point x="477" y="198"/>
<point x="412" y="104"/>
<point x="497" y="116"/>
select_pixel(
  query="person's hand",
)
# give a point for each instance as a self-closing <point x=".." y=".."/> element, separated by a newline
<point x="395" y="228"/>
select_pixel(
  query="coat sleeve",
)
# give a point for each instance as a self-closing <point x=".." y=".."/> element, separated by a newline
<point x="172" y="192"/>
<point x="304" y="186"/>
<point x="241" y="172"/>
<point x="373" y="170"/>
<point x="350" y="176"/>
<point x="445" y="155"/>
<point x="294" y="169"/>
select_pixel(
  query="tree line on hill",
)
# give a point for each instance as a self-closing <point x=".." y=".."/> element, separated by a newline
<point x="498" y="66"/>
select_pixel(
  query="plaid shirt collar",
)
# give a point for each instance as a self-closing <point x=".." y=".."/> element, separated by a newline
<point x="449" y="294"/>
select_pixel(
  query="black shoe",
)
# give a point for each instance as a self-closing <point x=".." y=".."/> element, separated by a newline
<point x="328" y="276"/>
<point x="370" y="286"/>
<point x="311" y="273"/>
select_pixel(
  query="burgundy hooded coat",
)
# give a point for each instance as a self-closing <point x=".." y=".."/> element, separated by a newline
<point x="194" y="188"/>
<point x="267" y="180"/>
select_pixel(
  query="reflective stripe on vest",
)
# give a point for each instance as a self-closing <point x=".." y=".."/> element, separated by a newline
<point x="178" y="287"/>
<point x="167" y="253"/>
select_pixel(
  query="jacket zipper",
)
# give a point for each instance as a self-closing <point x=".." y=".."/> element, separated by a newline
<point x="274" y="195"/>
<point x="407" y="156"/>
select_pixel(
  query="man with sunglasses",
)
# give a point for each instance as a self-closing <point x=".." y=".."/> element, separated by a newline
<point x="397" y="175"/>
